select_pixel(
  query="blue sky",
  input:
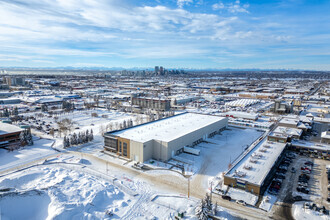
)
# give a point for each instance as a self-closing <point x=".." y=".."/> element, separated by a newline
<point x="293" y="34"/>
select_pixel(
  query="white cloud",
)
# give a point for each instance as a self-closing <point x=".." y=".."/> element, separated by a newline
<point x="181" y="3"/>
<point x="218" y="6"/>
<point x="235" y="7"/>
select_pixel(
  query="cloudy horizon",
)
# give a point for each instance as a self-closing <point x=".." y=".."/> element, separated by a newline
<point x="282" y="34"/>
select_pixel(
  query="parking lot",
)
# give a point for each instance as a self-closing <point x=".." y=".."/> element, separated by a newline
<point x="305" y="179"/>
<point x="310" y="181"/>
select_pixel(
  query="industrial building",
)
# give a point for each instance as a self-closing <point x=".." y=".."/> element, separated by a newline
<point x="254" y="171"/>
<point x="162" y="139"/>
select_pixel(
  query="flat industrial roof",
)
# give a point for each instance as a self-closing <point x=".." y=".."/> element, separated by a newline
<point x="255" y="166"/>
<point x="169" y="128"/>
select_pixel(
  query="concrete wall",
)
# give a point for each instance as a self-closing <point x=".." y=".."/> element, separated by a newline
<point x="189" y="138"/>
<point x="136" y="151"/>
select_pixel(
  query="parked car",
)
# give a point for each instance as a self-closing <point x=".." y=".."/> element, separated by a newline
<point x="302" y="184"/>
<point x="307" y="205"/>
<point x="310" y="163"/>
<point x="226" y="197"/>
<point x="305" y="176"/>
<point x="283" y="167"/>
<point x="306" y="171"/>
<point x="293" y="170"/>
<point x="241" y="202"/>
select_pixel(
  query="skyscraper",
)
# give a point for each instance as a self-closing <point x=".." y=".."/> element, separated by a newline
<point x="156" y="69"/>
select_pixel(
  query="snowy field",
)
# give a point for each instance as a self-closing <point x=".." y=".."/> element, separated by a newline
<point x="40" y="149"/>
<point x="50" y="192"/>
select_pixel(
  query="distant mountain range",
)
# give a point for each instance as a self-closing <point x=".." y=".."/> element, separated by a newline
<point x="141" y="68"/>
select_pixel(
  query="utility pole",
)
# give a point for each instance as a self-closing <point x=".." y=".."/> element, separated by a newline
<point x="188" y="187"/>
<point x="211" y="192"/>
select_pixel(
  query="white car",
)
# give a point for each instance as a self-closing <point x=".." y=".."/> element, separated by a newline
<point x="241" y="202"/>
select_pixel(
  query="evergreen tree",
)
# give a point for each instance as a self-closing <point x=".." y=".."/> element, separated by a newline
<point x="22" y="138"/>
<point x="203" y="208"/>
<point x="201" y="212"/>
<point x="87" y="136"/>
<point x="16" y="111"/>
<point x="29" y="138"/>
<point x="91" y="136"/>
<point x="64" y="142"/>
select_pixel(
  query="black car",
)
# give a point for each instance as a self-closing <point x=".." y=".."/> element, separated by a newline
<point x="226" y="197"/>
<point x="305" y="176"/>
<point x="303" y="180"/>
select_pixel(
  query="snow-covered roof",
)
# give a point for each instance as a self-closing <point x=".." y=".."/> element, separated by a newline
<point x="6" y="128"/>
<point x="169" y="128"/>
<point x="311" y="145"/>
<point x="325" y="134"/>
<point x="288" y="131"/>
<point x="238" y="114"/>
<point x="289" y="121"/>
<point x="255" y="166"/>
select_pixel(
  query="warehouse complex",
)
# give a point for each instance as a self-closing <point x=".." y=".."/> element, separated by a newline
<point x="164" y="138"/>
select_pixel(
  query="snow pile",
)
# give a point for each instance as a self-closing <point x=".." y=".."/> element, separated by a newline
<point x="300" y="213"/>
<point x="267" y="202"/>
<point x="238" y="194"/>
<point x="48" y="193"/>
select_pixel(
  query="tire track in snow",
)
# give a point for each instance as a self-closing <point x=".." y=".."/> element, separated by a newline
<point x="137" y="208"/>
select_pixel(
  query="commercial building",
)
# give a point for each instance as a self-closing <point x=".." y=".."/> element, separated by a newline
<point x="254" y="171"/>
<point x="9" y="134"/>
<point x="311" y="149"/>
<point x="282" y="107"/>
<point x="164" y="138"/>
<point x="325" y="137"/>
<point x="152" y="103"/>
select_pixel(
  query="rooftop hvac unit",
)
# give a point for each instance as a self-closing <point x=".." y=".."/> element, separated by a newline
<point x="266" y="146"/>
<point x="263" y="150"/>
<point x="247" y="167"/>
<point x="252" y="160"/>
<point x="240" y="173"/>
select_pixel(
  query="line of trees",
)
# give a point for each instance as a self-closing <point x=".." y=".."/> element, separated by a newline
<point x="78" y="138"/>
<point x="7" y="112"/>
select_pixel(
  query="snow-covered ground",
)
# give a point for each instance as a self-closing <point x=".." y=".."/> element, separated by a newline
<point x="52" y="192"/>
<point x="300" y="213"/>
<point x="40" y="149"/>
<point x="71" y="187"/>
<point x="267" y="202"/>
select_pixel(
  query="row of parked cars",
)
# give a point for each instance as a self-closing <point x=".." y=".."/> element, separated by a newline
<point x="314" y="207"/>
<point x="282" y="169"/>
<point x="304" y="177"/>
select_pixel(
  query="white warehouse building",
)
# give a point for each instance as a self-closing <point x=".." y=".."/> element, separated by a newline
<point x="162" y="139"/>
